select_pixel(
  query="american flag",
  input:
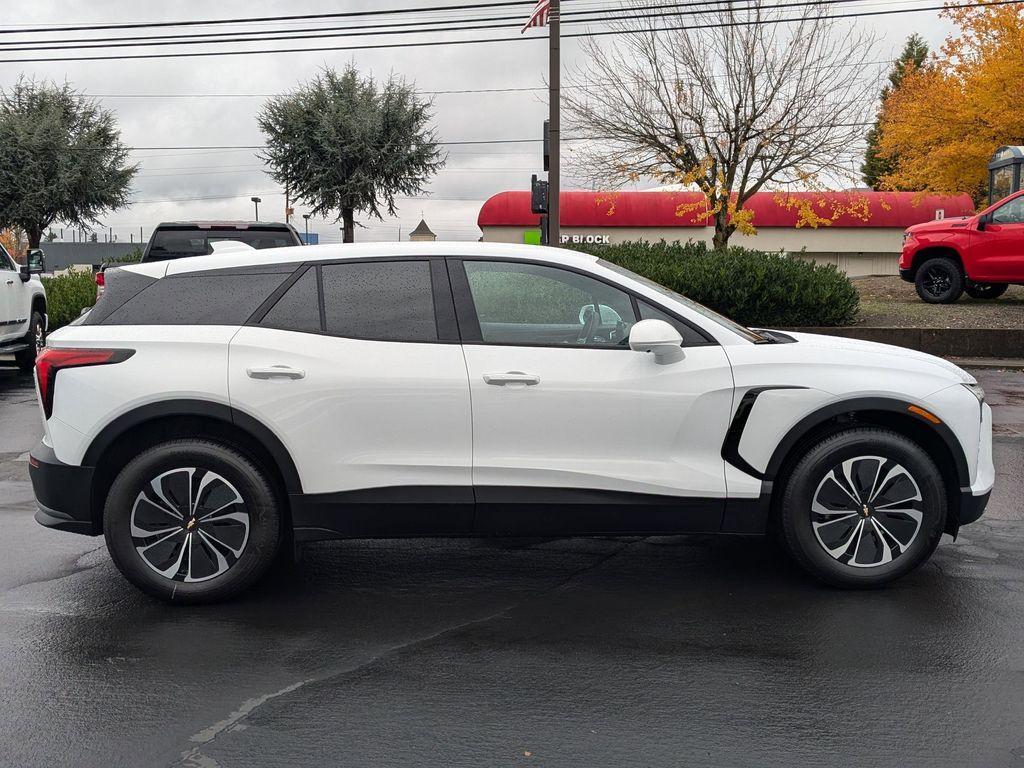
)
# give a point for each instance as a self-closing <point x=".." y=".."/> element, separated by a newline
<point x="539" y="16"/>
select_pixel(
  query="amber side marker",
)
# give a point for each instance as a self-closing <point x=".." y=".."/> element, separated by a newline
<point x="926" y="415"/>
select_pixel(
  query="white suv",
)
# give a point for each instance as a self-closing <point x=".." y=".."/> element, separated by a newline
<point x="210" y="410"/>
<point x="22" y="308"/>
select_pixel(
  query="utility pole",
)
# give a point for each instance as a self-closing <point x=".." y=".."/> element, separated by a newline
<point x="554" y="142"/>
<point x="256" y="201"/>
<point x="306" y="217"/>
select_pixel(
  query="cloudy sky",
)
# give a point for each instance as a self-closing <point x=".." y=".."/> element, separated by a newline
<point x="189" y="102"/>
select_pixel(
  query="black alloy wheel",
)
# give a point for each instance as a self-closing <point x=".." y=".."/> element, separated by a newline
<point x="939" y="281"/>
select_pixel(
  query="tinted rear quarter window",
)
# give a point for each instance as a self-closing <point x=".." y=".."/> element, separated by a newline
<point x="198" y="299"/>
<point x="383" y="300"/>
<point x="120" y="286"/>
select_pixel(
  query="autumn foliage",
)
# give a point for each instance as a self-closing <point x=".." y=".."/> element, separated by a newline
<point x="944" y="121"/>
<point x="14" y="241"/>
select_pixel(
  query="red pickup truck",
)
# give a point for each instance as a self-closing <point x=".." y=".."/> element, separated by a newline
<point x="980" y="254"/>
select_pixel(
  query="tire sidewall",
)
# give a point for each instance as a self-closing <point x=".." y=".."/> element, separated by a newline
<point x="248" y="480"/>
<point x="956" y="281"/>
<point x="808" y="473"/>
<point x="986" y="290"/>
<point x="27" y="359"/>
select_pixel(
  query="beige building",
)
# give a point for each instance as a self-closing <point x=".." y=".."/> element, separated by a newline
<point x="422" y="233"/>
<point x="864" y="234"/>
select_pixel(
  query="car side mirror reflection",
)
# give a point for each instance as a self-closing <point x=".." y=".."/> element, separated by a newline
<point x="658" y="338"/>
<point x="35" y="264"/>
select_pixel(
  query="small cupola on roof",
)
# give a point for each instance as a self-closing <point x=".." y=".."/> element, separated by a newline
<point x="422" y="233"/>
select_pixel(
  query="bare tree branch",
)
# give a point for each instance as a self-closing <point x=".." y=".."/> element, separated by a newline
<point x="730" y="108"/>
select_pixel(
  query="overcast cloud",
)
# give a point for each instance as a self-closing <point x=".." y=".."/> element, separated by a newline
<point x="455" y="195"/>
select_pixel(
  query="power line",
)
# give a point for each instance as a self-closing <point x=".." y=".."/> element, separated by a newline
<point x="217" y="37"/>
<point x="597" y="15"/>
<point x="261" y="19"/>
<point x="474" y="41"/>
<point x="281" y="194"/>
<point x="272" y="95"/>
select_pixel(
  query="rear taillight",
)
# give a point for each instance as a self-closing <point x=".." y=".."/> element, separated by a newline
<point x="101" y="279"/>
<point x="53" y="359"/>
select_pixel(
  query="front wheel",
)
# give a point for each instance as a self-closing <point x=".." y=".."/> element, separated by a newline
<point x="986" y="290"/>
<point x="939" y="281"/>
<point x="863" y="507"/>
<point x="36" y="339"/>
<point x="192" y="521"/>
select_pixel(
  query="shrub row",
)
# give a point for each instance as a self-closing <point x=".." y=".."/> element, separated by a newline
<point x="755" y="288"/>
<point x="67" y="295"/>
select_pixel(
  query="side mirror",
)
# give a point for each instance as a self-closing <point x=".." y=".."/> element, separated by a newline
<point x="658" y="337"/>
<point x="983" y="221"/>
<point x="35" y="264"/>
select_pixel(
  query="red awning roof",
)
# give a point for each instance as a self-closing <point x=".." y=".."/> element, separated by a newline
<point x="661" y="209"/>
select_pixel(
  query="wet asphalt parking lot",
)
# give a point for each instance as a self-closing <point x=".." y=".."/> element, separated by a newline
<point x="669" y="651"/>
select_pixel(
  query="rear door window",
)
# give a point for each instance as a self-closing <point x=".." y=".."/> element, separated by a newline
<point x="381" y="300"/>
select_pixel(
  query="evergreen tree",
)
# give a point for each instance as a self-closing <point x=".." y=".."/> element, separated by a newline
<point x="913" y="56"/>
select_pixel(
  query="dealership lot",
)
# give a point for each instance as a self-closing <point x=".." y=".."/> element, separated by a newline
<point x="626" y="651"/>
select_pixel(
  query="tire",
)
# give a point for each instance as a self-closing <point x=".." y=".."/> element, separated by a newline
<point x="986" y="290"/>
<point x="939" y="281"/>
<point x="851" y="552"/>
<point x="204" y="560"/>
<point x="36" y="338"/>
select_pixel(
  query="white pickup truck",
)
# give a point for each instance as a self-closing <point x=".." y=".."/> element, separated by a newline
<point x="22" y="308"/>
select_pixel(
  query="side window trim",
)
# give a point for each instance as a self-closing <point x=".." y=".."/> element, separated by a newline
<point x="321" y="306"/>
<point x="465" y="309"/>
<point x="469" y="323"/>
<point x="444" y="302"/>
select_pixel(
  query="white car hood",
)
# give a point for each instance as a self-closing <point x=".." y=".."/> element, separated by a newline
<point x="901" y="356"/>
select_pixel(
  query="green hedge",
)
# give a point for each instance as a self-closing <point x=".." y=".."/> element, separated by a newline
<point x="755" y="288"/>
<point x="67" y="295"/>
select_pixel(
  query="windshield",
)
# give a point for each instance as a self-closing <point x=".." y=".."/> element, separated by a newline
<point x="700" y="309"/>
<point x="181" y="243"/>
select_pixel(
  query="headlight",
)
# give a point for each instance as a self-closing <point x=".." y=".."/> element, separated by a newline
<point x="907" y="236"/>
<point x="977" y="390"/>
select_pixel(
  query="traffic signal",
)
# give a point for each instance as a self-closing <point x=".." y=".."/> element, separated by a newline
<point x="538" y="195"/>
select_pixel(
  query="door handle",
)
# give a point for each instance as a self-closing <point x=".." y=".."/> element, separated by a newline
<point x="10" y="282"/>
<point x="275" y="372"/>
<point x="511" y="377"/>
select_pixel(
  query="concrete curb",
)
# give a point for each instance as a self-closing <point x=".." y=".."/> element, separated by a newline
<point x="1005" y="343"/>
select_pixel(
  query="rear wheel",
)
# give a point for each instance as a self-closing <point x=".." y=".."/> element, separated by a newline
<point x="939" y="281"/>
<point x="986" y="290"/>
<point x="863" y="507"/>
<point x="192" y="521"/>
<point x="36" y="339"/>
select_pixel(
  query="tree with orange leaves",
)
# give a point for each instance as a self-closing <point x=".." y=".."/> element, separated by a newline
<point x="944" y="121"/>
<point x="14" y="241"/>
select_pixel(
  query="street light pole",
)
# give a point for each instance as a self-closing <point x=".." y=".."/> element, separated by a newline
<point x="306" y="217"/>
<point x="256" y="201"/>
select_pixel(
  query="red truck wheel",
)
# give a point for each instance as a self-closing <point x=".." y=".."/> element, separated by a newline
<point x="986" y="290"/>
<point x="939" y="281"/>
